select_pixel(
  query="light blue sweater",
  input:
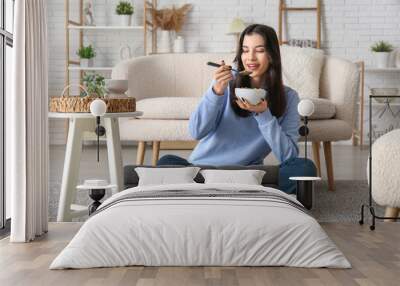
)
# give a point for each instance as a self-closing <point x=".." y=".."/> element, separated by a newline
<point x="226" y="138"/>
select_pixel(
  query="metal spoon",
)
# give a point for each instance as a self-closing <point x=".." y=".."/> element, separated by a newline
<point x="235" y="70"/>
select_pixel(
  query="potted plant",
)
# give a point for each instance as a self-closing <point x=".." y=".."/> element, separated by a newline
<point x="125" y="10"/>
<point x="95" y="84"/>
<point x="381" y="51"/>
<point x="86" y="54"/>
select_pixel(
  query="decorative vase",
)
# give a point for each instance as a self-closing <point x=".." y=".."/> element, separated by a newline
<point x="179" y="45"/>
<point x="381" y="59"/>
<point x="125" y="20"/>
<point x="165" y="42"/>
<point x="125" y="52"/>
<point x="89" y="13"/>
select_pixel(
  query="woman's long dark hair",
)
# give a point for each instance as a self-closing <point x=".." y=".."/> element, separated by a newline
<point x="272" y="78"/>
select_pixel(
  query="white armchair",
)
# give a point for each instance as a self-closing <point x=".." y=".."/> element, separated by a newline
<point x="168" y="88"/>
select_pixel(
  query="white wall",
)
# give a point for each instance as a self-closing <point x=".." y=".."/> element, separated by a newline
<point x="349" y="27"/>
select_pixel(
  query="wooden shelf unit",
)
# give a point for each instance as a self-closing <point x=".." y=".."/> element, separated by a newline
<point x="359" y="133"/>
<point x="79" y="68"/>
<point x="282" y="11"/>
<point x="72" y="25"/>
<point x="375" y="69"/>
<point x="77" y="27"/>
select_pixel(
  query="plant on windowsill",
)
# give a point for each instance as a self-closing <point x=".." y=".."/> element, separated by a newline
<point x="381" y="51"/>
<point x="125" y="10"/>
<point x="94" y="84"/>
<point x="86" y="54"/>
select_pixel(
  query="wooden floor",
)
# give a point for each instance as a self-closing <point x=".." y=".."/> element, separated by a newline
<point x="374" y="255"/>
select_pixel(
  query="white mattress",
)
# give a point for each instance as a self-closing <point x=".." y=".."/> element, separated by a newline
<point x="189" y="231"/>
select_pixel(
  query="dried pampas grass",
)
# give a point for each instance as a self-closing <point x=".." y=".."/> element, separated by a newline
<point x="170" y="18"/>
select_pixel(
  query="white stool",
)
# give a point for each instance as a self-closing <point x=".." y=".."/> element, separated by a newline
<point x="386" y="172"/>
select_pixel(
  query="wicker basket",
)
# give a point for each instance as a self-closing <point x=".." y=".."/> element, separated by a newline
<point x="69" y="104"/>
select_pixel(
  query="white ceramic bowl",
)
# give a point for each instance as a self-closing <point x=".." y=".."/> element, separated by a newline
<point x="252" y="95"/>
<point x="118" y="86"/>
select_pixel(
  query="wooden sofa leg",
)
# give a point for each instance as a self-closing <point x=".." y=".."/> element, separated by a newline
<point x="317" y="161"/>
<point x="391" y="212"/>
<point x="329" y="165"/>
<point x="140" y="152"/>
<point x="156" y="152"/>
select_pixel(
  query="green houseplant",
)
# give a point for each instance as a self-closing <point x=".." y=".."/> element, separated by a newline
<point x="86" y="54"/>
<point x="94" y="83"/>
<point x="381" y="51"/>
<point x="382" y="46"/>
<point x="125" y="10"/>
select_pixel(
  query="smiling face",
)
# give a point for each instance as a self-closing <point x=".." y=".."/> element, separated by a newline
<point x="254" y="55"/>
<point x="258" y="52"/>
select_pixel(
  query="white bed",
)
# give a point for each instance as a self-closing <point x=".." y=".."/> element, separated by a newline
<point x="257" y="226"/>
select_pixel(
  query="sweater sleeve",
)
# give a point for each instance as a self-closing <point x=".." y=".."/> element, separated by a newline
<point x="208" y="113"/>
<point x="282" y="136"/>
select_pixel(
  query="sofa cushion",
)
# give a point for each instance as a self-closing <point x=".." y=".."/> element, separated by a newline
<point x="167" y="107"/>
<point x="181" y="107"/>
<point x="154" y="130"/>
<point x="301" y="69"/>
<point x="177" y="130"/>
<point x="323" y="108"/>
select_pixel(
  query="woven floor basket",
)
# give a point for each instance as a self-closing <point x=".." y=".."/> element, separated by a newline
<point x="65" y="103"/>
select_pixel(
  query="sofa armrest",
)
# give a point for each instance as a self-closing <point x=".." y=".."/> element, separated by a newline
<point x="340" y="84"/>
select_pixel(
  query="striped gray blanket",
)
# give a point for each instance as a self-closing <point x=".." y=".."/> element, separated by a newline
<point x="206" y="194"/>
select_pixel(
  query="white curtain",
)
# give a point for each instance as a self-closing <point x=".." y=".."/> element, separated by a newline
<point x="28" y="123"/>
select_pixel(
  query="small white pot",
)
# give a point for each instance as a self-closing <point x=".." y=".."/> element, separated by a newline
<point x="86" y="63"/>
<point x="381" y="59"/>
<point x="125" y="20"/>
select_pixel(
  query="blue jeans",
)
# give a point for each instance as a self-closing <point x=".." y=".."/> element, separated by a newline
<point x="173" y="160"/>
<point x="294" y="167"/>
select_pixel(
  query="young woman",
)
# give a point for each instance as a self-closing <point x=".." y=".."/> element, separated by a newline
<point x="235" y="132"/>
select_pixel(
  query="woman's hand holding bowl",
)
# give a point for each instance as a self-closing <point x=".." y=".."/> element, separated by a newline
<point x="258" y="108"/>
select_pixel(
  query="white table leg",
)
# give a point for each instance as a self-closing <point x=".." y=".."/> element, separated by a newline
<point x="71" y="166"/>
<point x="114" y="152"/>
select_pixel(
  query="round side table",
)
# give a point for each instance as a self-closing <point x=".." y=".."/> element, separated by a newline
<point x="305" y="190"/>
<point x="79" y="123"/>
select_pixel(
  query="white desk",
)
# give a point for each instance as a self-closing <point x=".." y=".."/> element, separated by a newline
<point x="78" y="124"/>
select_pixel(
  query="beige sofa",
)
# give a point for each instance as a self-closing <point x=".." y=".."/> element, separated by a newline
<point x="168" y="88"/>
